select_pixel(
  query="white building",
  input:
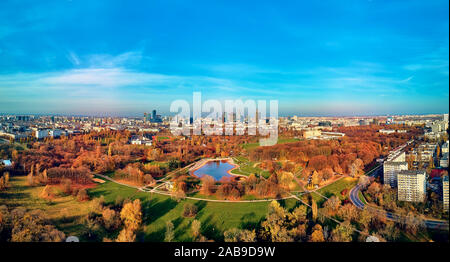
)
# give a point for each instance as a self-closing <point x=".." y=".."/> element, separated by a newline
<point x="141" y="141"/>
<point x="443" y="162"/>
<point x="55" y="133"/>
<point x="41" y="134"/>
<point x="395" y="162"/>
<point x="391" y="170"/>
<point x="411" y="185"/>
<point x="386" y="131"/>
<point x="444" y="148"/>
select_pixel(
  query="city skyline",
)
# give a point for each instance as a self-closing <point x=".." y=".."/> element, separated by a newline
<point x="317" y="59"/>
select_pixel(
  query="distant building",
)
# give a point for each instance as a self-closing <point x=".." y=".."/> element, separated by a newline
<point x="443" y="162"/>
<point x="363" y="122"/>
<point x="389" y="120"/>
<point x="331" y="135"/>
<point x="445" y="192"/>
<point x="311" y="133"/>
<point x="55" y="133"/>
<point x="444" y="148"/>
<point x="411" y="185"/>
<point x="41" y="134"/>
<point x="386" y="131"/>
<point x="141" y="141"/>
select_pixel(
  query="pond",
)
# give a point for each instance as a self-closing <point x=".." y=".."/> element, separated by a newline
<point x="217" y="169"/>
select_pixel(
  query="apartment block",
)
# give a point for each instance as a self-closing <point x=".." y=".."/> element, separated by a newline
<point x="392" y="166"/>
<point x="445" y="192"/>
<point x="411" y="185"/>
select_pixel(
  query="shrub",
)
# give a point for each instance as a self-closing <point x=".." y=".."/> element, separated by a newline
<point x="190" y="210"/>
<point x="82" y="195"/>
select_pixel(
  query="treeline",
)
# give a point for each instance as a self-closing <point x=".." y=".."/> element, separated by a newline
<point x="21" y="225"/>
<point x="230" y="188"/>
<point x="80" y="175"/>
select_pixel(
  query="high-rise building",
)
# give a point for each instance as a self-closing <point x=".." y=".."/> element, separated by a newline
<point x="391" y="170"/>
<point x="395" y="163"/>
<point x="154" y="114"/>
<point x="411" y="185"/>
<point x="445" y="192"/>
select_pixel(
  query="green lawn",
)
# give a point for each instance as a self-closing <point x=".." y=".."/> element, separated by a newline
<point x="280" y="141"/>
<point x="160" y="138"/>
<point x="215" y="217"/>
<point x="361" y="197"/>
<point x="335" y="189"/>
<point x="246" y="168"/>
<point x="67" y="213"/>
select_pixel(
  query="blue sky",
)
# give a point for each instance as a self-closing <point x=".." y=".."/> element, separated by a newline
<point x="314" y="57"/>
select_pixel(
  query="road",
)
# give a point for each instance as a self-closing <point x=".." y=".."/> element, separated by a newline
<point x="354" y="198"/>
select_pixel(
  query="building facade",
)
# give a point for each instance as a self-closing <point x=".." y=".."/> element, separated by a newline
<point x="395" y="163"/>
<point x="445" y="192"/>
<point x="411" y="185"/>
<point x="391" y="170"/>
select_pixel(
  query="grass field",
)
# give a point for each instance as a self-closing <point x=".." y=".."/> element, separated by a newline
<point x="67" y="213"/>
<point x="247" y="167"/>
<point x="361" y="197"/>
<point x="335" y="189"/>
<point x="280" y="141"/>
<point x="215" y="217"/>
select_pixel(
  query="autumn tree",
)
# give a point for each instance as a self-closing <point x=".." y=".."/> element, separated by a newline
<point x="342" y="232"/>
<point x="126" y="235"/>
<point x="131" y="215"/>
<point x="314" y="209"/>
<point x="195" y="227"/>
<point x="189" y="210"/>
<point x="208" y="184"/>
<point x="239" y="235"/>
<point x="356" y="168"/>
<point x="82" y="195"/>
<point x="111" y="219"/>
<point x="32" y="226"/>
<point x="317" y="234"/>
<point x="332" y="205"/>
<point x="170" y="234"/>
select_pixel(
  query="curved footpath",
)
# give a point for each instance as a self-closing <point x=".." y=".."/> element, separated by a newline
<point x="354" y="198"/>
<point x="193" y="198"/>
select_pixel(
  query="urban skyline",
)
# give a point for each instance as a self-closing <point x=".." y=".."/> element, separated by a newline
<point x="315" y="58"/>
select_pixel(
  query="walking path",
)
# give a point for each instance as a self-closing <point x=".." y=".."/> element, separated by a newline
<point x="143" y="189"/>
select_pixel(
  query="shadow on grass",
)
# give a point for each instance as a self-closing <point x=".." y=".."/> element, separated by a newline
<point x="154" y="209"/>
<point x="200" y="205"/>
<point x="182" y="230"/>
<point x="210" y="231"/>
<point x="157" y="236"/>
<point x="249" y="222"/>
<point x="10" y="195"/>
